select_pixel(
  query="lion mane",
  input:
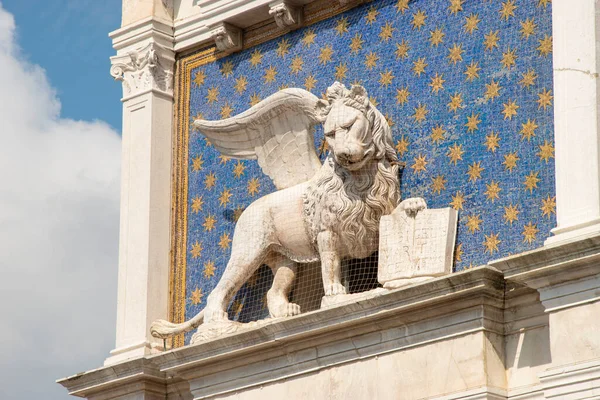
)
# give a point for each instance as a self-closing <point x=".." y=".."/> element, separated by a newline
<point x="352" y="203"/>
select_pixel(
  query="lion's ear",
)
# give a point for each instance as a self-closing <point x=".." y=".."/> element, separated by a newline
<point x="359" y="94"/>
<point x="322" y="109"/>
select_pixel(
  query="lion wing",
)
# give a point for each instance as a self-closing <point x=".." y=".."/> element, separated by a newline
<point x="278" y="132"/>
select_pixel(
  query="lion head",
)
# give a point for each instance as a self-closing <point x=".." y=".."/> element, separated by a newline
<point x="355" y="131"/>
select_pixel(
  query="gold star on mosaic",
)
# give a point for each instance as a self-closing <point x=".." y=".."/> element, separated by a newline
<point x="237" y="307"/>
<point x="225" y="197"/>
<point x="455" y="53"/>
<point x="491" y="242"/>
<point x="402" y="95"/>
<point x="237" y="213"/>
<point x="544" y="3"/>
<point x="387" y="31"/>
<point x="402" y="6"/>
<point x="371" y="15"/>
<point x="471" y="23"/>
<point x="209" y="269"/>
<point x="309" y="38"/>
<point x="472" y="71"/>
<point x="546" y="151"/>
<point x="531" y="181"/>
<point x="325" y="54"/>
<point x="437" y="83"/>
<point x="283" y="48"/>
<point x="223" y="159"/>
<point x="455" y="153"/>
<point x="510" y="161"/>
<point x="253" y="186"/>
<point x="493" y="191"/>
<point x="491" y="40"/>
<point x="209" y="223"/>
<point x="389" y="120"/>
<point x="210" y="181"/>
<point x="548" y="206"/>
<point x="296" y="65"/>
<point x="199" y="78"/>
<point x="342" y="26"/>
<point x="529" y="78"/>
<point x="254" y="99"/>
<point x="270" y="74"/>
<point x="227" y="69"/>
<point x="437" y="134"/>
<point x="436" y="37"/>
<point x="371" y="60"/>
<point x="492" y="142"/>
<point x="197" y="296"/>
<point x="438" y="184"/>
<point x="240" y="84"/>
<point x="455" y="6"/>
<point x="213" y="95"/>
<point x="197" y="204"/>
<point x="310" y="82"/>
<point x="224" y="241"/>
<point x="356" y="43"/>
<point x="474" y="171"/>
<point x="511" y="214"/>
<point x="528" y="28"/>
<point x="196" y="250"/>
<point x="226" y="111"/>
<point x="545" y="46"/>
<point x="544" y="99"/>
<point x="419" y="19"/>
<point x="456" y="102"/>
<point x="474" y="223"/>
<point x="238" y="169"/>
<point x="529" y="232"/>
<point x="420" y="164"/>
<point x="458" y="201"/>
<point x="473" y="122"/>
<point x="340" y="72"/>
<point x="509" y="58"/>
<point x="508" y="9"/>
<point x="420" y="113"/>
<point x="402" y="49"/>
<point x="419" y="66"/>
<point x="197" y="163"/>
<point x="458" y="253"/>
<point x="492" y="90"/>
<point x="402" y="145"/>
<point x="373" y="101"/>
<point x="256" y="58"/>
<point x="510" y="109"/>
<point x="528" y="129"/>
<point x="385" y="78"/>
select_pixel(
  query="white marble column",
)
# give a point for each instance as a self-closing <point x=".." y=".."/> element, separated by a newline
<point x="576" y="34"/>
<point x="144" y="64"/>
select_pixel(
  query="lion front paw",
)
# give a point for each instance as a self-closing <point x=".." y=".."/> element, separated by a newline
<point x="413" y="205"/>
<point x="335" y="289"/>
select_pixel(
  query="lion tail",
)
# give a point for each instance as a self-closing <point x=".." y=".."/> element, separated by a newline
<point x="164" y="329"/>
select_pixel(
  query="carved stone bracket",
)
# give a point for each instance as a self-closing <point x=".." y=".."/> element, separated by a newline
<point x="227" y="37"/>
<point x="286" y="15"/>
<point x="148" y="68"/>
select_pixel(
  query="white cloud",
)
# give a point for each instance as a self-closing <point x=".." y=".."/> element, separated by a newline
<point x="59" y="192"/>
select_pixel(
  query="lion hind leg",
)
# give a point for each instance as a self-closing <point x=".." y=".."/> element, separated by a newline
<point x="284" y="271"/>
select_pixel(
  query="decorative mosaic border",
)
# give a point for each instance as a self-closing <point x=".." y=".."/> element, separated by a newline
<point x="254" y="35"/>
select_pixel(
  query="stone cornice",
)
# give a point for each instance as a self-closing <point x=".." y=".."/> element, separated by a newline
<point x="458" y="304"/>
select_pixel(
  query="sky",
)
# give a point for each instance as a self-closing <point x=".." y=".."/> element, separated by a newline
<point x="59" y="199"/>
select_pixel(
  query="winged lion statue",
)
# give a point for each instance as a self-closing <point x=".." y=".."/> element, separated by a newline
<point x="321" y="212"/>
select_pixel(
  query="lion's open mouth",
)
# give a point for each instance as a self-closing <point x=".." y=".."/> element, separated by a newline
<point x="354" y="165"/>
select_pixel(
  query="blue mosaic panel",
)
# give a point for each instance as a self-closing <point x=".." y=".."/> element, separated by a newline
<point x="466" y="86"/>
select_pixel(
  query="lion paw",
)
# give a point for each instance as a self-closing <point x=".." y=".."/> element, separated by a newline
<point x="335" y="289"/>
<point x="279" y="307"/>
<point x="413" y="205"/>
<point x="215" y="316"/>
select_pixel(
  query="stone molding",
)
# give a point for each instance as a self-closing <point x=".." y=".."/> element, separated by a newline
<point x="148" y="68"/>
<point x="227" y="37"/>
<point x="579" y="381"/>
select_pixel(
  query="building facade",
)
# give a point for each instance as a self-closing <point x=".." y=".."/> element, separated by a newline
<point x="493" y="107"/>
